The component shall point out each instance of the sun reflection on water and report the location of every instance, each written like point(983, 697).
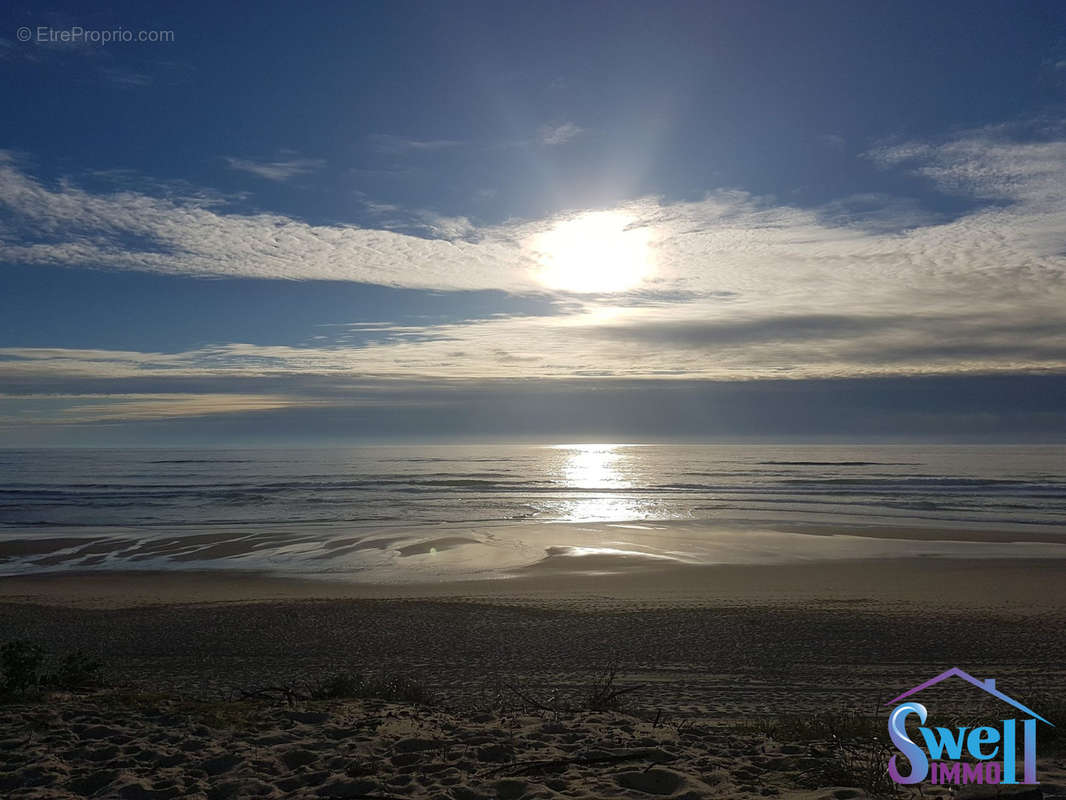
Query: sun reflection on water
point(594, 466)
point(595, 478)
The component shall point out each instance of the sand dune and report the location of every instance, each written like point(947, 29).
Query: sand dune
point(122, 747)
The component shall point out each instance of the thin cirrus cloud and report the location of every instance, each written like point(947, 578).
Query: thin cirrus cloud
point(985, 167)
point(548, 135)
point(72, 409)
point(394, 145)
point(741, 288)
point(281, 170)
point(552, 135)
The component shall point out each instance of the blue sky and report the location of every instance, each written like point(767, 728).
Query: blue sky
point(466, 219)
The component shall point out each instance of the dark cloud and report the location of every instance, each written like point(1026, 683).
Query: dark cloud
point(863, 339)
point(698, 333)
point(963, 408)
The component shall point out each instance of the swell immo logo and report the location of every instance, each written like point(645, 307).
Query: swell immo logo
point(985, 754)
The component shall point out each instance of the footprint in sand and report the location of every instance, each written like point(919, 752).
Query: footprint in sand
point(652, 781)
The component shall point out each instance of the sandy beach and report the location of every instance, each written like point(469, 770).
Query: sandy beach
point(721, 658)
point(604, 582)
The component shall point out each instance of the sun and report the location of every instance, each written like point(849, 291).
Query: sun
point(596, 252)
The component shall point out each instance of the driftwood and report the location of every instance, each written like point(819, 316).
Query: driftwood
point(530, 700)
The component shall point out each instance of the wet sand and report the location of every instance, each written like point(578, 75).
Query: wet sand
point(516, 552)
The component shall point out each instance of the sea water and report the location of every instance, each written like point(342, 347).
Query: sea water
point(288, 508)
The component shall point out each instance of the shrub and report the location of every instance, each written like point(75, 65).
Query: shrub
point(75, 671)
point(21, 667)
point(605, 694)
point(25, 669)
point(855, 748)
point(827, 726)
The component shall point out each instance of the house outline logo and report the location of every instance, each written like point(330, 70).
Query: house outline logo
point(976, 741)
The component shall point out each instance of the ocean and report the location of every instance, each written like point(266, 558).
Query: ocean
point(361, 511)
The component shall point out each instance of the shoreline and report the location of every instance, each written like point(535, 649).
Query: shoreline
point(460, 558)
point(918, 585)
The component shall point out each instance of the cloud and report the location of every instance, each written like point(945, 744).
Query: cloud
point(66, 225)
point(276, 170)
point(395, 145)
point(89, 60)
point(450, 228)
point(647, 342)
point(740, 287)
point(67, 409)
point(824, 345)
point(125, 78)
point(784, 328)
point(869, 249)
point(606, 409)
point(877, 213)
point(420, 222)
point(552, 135)
point(988, 164)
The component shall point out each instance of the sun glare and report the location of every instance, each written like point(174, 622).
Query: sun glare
point(598, 476)
point(595, 252)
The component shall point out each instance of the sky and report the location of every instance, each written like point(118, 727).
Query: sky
point(407, 221)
